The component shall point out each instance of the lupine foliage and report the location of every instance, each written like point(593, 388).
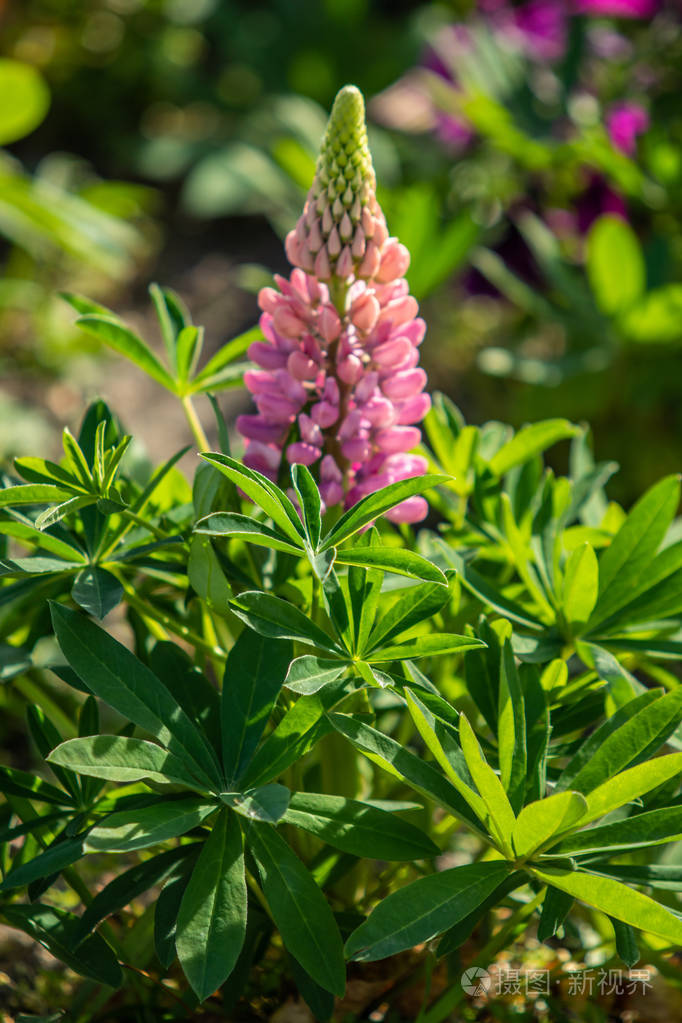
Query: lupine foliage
point(312, 707)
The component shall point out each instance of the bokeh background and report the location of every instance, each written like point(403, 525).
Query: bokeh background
point(529, 155)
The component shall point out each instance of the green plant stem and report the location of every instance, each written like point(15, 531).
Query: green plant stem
point(195, 424)
point(508, 933)
point(258, 892)
point(177, 628)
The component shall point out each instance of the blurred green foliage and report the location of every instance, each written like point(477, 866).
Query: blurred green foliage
point(495, 152)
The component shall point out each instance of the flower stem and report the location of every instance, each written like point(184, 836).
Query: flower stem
point(195, 423)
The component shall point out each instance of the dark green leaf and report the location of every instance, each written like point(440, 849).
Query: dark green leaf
point(212, 918)
point(97, 591)
point(300, 910)
point(127, 830)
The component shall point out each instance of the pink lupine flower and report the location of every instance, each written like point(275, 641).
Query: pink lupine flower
point(624, 123)
point(338, 388)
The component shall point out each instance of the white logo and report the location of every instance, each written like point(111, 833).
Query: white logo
point(476, 981)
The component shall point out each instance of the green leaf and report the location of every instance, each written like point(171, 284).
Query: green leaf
point(300, 910)
point(206, 575)
point(357, 828)
point(254, 674)
point(30, 786)
point(241, 527)
point(374, 505)
point(212, 919)
point(51, 516)
point(511, 729)
point(626, 943)
point(424, 909)
point(627, 560)
point(229, 352)
point(401, 763)
point(189, 344)
point(486, 591)
point(275, 618)
point(581, 584)
point(307, 674)
point(631, 784)
point(617, 900)
point(501, 819)
point(657, 316)
point(638, 737)
point(427, 646)
point(300, 728)
point(262, 492)
point(57, 931)
point(615, 264)
point(28, 534)
point(32, 493)
point(25, 99)
point(128, 830)
point(131, 884)
point(591, 746)
point(538, 821)
point(97, 591)
point(530, 441)
point(121, 758)
point(310, 502)
point(53, 860)
point(391, 559)
point(126, 684)
point(124, 341)
point(267, 803)
point(417, 604)
point(651, 828)
point(555, 908)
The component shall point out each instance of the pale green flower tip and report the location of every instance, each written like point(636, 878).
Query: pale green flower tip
point(344, 150)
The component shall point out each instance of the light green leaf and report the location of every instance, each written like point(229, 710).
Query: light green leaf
point(615, 264)
point(500, 816)
point(124, 341)
point(618, 900)
point(530, 441)
point(538, 821)
point(307, 674)
point(631, 784)
point(25, 99)
point(581, 585)
point(374, 505)
point(392, 559)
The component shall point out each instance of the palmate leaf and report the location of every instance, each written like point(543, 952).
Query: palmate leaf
point(300, 910)
point(424, 909)
point(212, 918)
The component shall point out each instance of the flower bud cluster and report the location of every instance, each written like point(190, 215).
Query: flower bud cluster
point(339, 388)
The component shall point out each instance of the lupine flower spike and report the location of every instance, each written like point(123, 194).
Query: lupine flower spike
point(339, 388)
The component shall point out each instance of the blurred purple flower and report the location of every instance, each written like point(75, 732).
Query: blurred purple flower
point(624, 123)
point(541, 25)
point(618, 8)
point(597, 199)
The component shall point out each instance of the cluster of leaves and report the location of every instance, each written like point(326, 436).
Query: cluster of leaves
point(354, 694)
